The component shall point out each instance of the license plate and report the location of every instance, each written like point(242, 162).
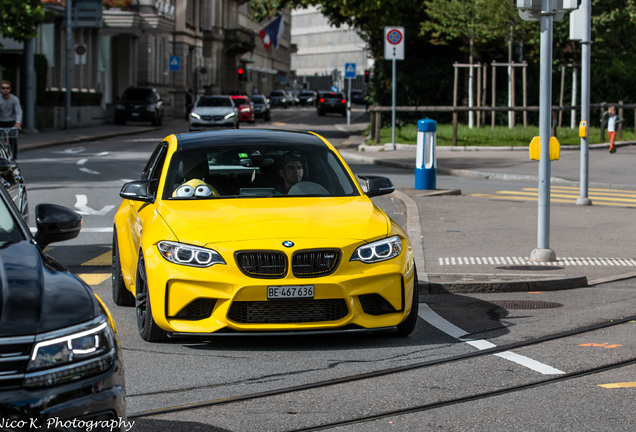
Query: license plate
point(290, 292)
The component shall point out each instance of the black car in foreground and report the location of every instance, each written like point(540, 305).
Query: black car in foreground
point(60, 359)
point(139, 104)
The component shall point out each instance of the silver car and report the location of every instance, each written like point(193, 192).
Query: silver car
point(214, 111)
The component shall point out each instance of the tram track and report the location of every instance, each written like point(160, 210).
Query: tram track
point(416, 366)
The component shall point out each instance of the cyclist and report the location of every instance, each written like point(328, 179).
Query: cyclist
point(10, 113)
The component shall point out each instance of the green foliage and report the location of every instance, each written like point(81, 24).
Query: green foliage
point(499, 136)
point(20, 18)
point(438, 34)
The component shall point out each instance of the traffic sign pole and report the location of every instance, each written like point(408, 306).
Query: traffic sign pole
point(350, 73)
point(393, 50)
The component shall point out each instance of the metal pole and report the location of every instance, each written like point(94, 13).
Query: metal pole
point(29, 118)
point(586, 9)
point(393, 107)
point(69, 61)
point(349, 103)
point(543, 252)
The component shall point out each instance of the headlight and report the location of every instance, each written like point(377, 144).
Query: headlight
point(71, 354)
point(189, 255)
point(120, 107)
point(230, 115)
point(151, 107)
point(195, 115)
point(378, 251)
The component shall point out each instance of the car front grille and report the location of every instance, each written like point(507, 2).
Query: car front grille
point(273, 264)
point(287, 311)
point(14, 357)
point(262, 264)
point(320, 262)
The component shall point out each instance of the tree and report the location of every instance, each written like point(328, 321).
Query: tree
point(20, 18)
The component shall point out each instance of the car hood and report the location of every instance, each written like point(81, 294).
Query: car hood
point(226, 220)
point(213, 110)
point(38, 295)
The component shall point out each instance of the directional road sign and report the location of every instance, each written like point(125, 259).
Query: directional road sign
point(174, 63)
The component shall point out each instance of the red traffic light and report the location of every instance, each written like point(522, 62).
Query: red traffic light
point(241, 71)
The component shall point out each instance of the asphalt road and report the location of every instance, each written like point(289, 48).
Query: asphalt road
point(416, 383)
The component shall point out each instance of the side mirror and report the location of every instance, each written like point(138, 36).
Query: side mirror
point(5, 165)
point(377, 185)
point(55, 223)
point(138, 190)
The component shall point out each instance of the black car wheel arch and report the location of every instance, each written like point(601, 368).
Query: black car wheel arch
point(148, 329)
point(121, 296)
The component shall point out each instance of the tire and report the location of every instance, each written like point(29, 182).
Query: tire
point(407, 326)
point(121, 296)
point(148, 329)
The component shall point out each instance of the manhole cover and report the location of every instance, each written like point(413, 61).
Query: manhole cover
point(525, 304)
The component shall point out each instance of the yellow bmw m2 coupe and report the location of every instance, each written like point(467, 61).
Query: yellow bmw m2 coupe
point(259, 232)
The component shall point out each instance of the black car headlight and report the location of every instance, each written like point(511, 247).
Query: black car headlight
point(377, 251)
point(151, 108)
point(71, 354)
point(189, 255)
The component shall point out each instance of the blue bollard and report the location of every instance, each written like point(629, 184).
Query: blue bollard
point(425, 162)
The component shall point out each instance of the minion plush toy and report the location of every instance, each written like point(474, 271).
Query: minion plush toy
point(195, 188)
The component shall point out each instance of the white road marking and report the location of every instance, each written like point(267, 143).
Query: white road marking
point(88, 171)
point(83, 209)
point(428, 315)
point(566, 261)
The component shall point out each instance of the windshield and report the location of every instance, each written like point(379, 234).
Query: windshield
point(210, 101)
point(9, 231)
point(137, 94)
point(258, 99)
point(265, 170)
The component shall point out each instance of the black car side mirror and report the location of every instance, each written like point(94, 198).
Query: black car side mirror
point(377, 185)
point(138, 190)
point(5, 165)
point(55, 223)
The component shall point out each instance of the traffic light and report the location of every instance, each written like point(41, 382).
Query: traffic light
point(366, 75)
point(241, 73)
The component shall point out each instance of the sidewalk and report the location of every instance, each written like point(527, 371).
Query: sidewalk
point(470, 243)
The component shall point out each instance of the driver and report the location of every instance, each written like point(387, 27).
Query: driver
point(291, 171)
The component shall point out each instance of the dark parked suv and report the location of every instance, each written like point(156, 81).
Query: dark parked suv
point(139, 104)
point(59, 354)
point(332, 102)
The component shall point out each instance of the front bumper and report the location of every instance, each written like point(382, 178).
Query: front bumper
point(95, 402)
point(357, 296)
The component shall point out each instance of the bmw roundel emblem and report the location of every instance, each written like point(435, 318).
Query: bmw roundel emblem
point(288, 243)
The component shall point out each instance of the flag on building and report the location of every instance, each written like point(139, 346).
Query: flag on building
point(272, 33)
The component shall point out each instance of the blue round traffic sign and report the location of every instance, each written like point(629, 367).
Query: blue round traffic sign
point(394, 36)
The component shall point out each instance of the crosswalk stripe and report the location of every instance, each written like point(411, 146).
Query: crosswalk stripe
point(569, 261)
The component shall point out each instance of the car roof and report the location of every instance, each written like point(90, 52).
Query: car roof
point(237, 137)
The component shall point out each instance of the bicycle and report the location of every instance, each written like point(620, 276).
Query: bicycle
point(6, 135)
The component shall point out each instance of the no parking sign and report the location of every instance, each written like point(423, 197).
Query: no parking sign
point(394, 43)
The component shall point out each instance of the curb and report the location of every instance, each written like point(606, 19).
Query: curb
point(486, 283)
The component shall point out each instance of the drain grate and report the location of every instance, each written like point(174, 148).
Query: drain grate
point(525, 304)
